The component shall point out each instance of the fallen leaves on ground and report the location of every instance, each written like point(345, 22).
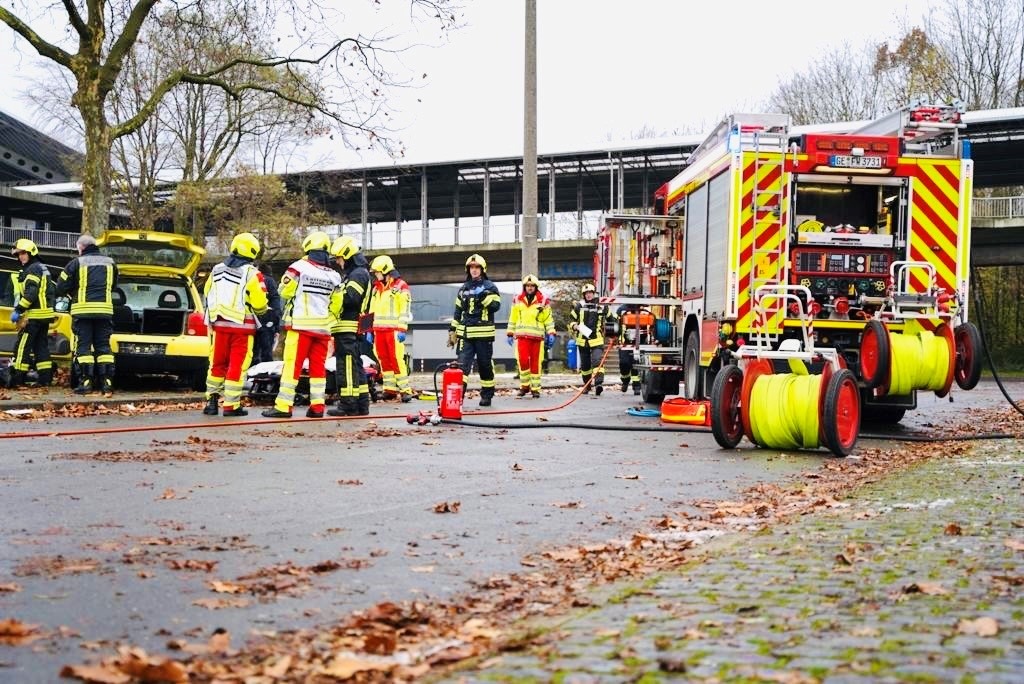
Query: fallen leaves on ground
point(983, 627)
point(53, 566)
point(447, 507)
point(16, 633)
point(130, 664)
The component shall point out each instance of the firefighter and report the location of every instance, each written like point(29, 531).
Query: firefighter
point(236, 297)
point(34, 304)
point(347, 309)
point(472, 328)
point(89, 279)
point(391, 306)
point(307, 288)
point(270, 322)
point(530, 325)
point(590, 314)
point(628, 373)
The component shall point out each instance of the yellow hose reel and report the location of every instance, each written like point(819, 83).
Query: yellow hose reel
point(785, 410)
point(899, 363)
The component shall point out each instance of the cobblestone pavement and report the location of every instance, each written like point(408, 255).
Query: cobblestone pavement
point(904, 582)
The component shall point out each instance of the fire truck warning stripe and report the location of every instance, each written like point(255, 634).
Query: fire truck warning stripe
point(944, 192)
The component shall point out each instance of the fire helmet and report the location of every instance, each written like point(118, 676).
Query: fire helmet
point(589, 287)
point(478, 260)
point(25, 245)
point(382, 264)
point(344, 247)
point(316, 240)
point(245, 245)
point(530, 279)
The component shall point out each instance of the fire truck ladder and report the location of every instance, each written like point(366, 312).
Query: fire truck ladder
point(920, 125)
point(770, 236)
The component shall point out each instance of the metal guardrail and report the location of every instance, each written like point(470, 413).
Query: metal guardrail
point(411, 234)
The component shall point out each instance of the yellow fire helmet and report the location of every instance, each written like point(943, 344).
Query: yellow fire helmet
point(25, 245)
point(382, 264)
point(344, 247)
point(316, 240)
point(530, 279)
point(478, 260)
point(245, 245)
point(589, 287)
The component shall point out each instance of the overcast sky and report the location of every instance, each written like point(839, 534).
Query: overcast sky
point(606, 68)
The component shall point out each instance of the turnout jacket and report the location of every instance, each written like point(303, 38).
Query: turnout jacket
point(307, 289)
point(235, 295)
point(531, 317)
point(89, 279)
point(355, 296)
point(475, 305)
point(391, 303)
point(593, 315)
point(36, 300)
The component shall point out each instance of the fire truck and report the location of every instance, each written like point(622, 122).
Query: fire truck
point(803, 281)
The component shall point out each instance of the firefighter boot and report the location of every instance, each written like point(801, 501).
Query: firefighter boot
point(345, 407)
point(17, 379)
point(108, 386)
point(486, 394)
point(211, 408)
point(363, 405)
point(233, 411)
point(524, 391)
point(625, 385)
point(598, 383)
point(46, 377)
point(636, 389)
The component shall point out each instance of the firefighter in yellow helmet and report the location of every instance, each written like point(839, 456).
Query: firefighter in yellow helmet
point(391, 306)
point(588, 318)
point(32, 314)
point(235, 297)
point(472, 328)
point(530, 330)
point(90, 278)
point(307, 288)
point(348, 310)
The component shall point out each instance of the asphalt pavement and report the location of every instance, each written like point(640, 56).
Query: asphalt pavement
point(117, 524)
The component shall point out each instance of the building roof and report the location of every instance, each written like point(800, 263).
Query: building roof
point(28, 156)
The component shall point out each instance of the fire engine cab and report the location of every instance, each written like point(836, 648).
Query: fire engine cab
point(805, 280)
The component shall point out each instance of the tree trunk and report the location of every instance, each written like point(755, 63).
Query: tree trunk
point(96, 173)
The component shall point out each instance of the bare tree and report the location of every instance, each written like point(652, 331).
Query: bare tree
point(341, 80)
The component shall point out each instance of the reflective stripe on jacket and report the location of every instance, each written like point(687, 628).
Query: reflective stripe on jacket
point(89, 279)
point(593, 315)
point(34, 280)
point(355, 296)
point(235, 295)
point(531, 318)
point(306, 289)
point(475, 305)
point(391, 304)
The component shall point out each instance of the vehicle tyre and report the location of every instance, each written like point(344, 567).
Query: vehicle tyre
point(875, 355)
point(650, 388)
point(692, 372)
point(726, 420)
point(882, 415)
point(968, 355)
point(840, 414)
point(197, 381)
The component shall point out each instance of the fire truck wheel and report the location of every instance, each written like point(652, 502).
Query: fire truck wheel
point(882, 415)
point(875, 358)
point(650, 388)
point(840, 413)
point(968, 355)
point(691, 367)
point(726, 423)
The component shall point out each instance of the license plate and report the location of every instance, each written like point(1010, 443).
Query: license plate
point(851, 162)
point(143, 349)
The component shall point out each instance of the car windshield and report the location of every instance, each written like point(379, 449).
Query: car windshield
point(154, 293)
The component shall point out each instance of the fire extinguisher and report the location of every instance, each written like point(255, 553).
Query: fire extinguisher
point(450, 397)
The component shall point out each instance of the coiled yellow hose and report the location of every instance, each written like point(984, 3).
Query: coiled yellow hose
point(784, 411)
point(919, 361)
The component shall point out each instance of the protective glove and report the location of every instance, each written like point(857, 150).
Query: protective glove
point(15, 315)
point(369, 337)
point(549, 341)
point(401, 336)
point(452, 338)
point(511, 340)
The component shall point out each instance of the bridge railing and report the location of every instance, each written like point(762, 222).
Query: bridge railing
point(997, 207)
point(44, 239)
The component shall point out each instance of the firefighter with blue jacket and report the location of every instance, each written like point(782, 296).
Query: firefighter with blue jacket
point(472, 329)
point(89, 279)
point(34, 304)
point(588, 318)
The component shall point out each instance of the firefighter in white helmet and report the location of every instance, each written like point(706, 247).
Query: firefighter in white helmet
point(531, 329)
point(307, 288)
point(472, 328)
point(348, 310)
point(391, 306)
point(32, 314)
point(588, 318)
point(235, 296)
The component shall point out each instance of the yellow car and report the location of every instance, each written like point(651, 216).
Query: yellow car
point(60, 329)
point(159, 323)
